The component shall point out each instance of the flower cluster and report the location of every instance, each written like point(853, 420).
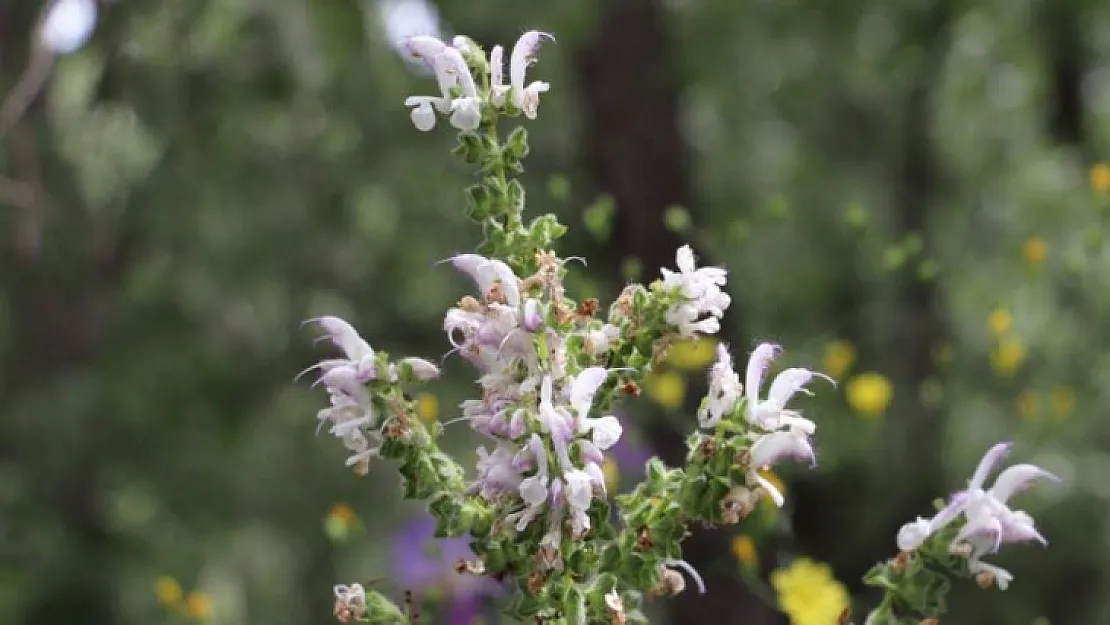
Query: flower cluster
point(776, 433)
point(535, 512)
point(351, 414)
point(989, 522)
point(459, 92)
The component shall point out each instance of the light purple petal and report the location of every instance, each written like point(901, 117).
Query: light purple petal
point(990, 460)
point(1018, 478)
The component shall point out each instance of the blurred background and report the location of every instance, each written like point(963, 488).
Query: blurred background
point(910, 196)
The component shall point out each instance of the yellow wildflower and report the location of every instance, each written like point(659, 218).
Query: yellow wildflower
point(668, 389)
point(808, 593)
point(612, 474)
point(1028, 405)
point(1035, 251)
point(692, 354)
point(1009, 355)
point(1100, 178)
point(1063, 401)
point(870, 393)
point(1000, 321)
point(744, 550)
point(427, 407)
point(839, 357)
point(198, 606)
point(168, 591)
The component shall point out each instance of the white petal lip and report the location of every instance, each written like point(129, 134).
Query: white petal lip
point(776, 446)
point(790, 382)
point(425, 48)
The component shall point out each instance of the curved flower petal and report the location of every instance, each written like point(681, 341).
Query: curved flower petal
point(1017, 478)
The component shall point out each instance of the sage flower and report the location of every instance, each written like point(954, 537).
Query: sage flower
point(725, 390)
point(771, 413)
point(525, 97)
point(702, 302)
point(989, 520)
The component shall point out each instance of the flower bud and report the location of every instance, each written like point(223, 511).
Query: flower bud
point(533, 315)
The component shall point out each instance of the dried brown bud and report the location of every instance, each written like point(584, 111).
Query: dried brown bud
point(737, 504)
point(588, 307)
point(643, 539)
point(709, 448)
point(901, 562)
point(471, 305)
point(930, 621)
point(985, 579)
point(496, 293)
point(535, 583)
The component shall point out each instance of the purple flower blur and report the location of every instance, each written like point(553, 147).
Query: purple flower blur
point(631, 452)
point(423, 563)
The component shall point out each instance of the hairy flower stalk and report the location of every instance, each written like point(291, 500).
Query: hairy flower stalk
point(549, 371)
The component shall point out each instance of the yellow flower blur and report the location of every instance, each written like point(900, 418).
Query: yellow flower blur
point(744, 550)
point(668, 389)
point(342, 512)
point(1100, 178)
point(1000, 321)
point(692, 354)
point(1028, 405)
point(808, 593)
point(612, 474)
point(1035, 251)
point(1007, 358)
point(427, 407)
point(168, 591)
point(198, 606)
point(870, 394)
point(1063, 401)
point(839, 357)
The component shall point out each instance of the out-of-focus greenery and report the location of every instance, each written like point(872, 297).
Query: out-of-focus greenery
point(207, 174)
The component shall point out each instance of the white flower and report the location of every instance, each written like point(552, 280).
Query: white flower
point(424, 108)
point(359, 355)
point(990, 521)
point(489, 273)
point(725, 390)
point(424, 49)
point(526, 98)
point(605, 431)
point(701, 293)
point(770, 449)
point(533, 489)
point(466, 110)
point(68, 25)
point(579, 494)
point(771, 414)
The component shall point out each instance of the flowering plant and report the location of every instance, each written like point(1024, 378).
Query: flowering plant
point(536, 507)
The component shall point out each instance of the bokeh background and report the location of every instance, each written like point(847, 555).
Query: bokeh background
point(908, 195)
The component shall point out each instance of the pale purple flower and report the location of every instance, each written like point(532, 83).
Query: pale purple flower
point(725, 390)
point(990, 522)
point(424, 563)
point(487, 273)
point(771, 413)
point(524, 97)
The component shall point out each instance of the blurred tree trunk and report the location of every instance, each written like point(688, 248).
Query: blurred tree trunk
point(828, 519)
point(635, 152)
